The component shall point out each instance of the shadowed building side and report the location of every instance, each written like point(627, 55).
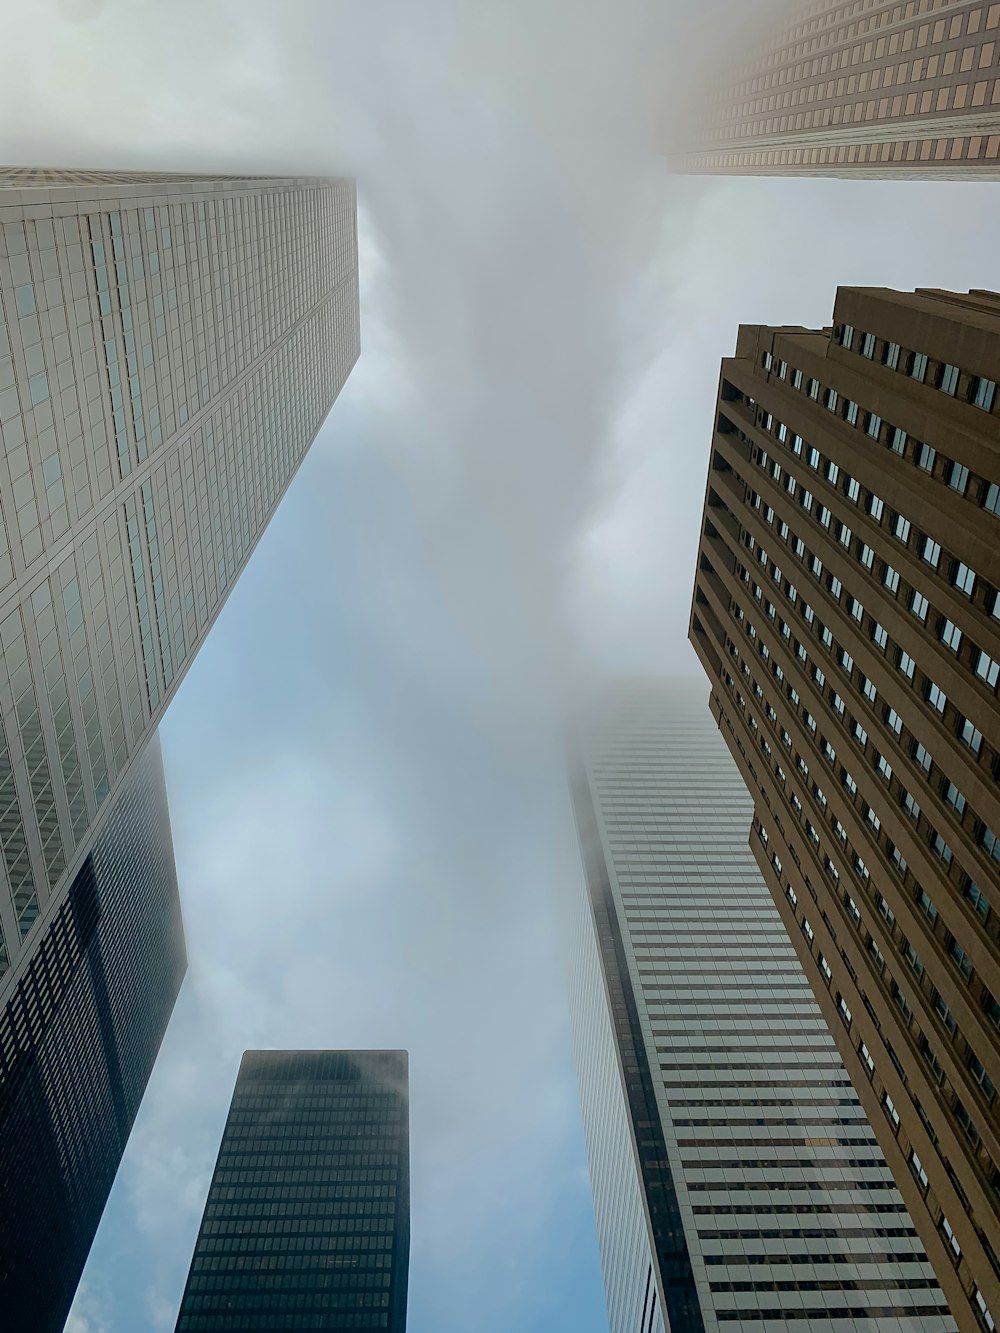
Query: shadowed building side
point(78, 1040)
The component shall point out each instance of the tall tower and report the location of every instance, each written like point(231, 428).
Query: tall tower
point(78, 1039)
point(886, 88)
point(736, 1179)
point(170, 346)
point(307, 1223)
point(847, 612)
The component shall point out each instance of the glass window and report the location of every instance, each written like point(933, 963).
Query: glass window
point(868, 346)
point(897, 440)
point(983, 392)
point(925, 457)
point(950, 635)
point(919, 605)
point(971, 735)
point(890, 357)
point(948, 379)
point(847, 336)
point(936, 697)
point(901, 528)
point(991, 499)
point(918, 366)
point(875, 507)
point(963, 577)
point(873, 425)
point(958, 477)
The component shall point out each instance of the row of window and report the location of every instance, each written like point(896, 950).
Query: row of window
point(979, 390)
point(933, 695)
point(982, 491)
point(902, 944)
point(823, 964)
point(868, 1061)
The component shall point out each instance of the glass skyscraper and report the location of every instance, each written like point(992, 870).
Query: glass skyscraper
point(170, 345)
point(78, 1039)
point(307, 1224)
point(736, 1178)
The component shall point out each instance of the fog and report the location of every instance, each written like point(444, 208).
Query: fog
point(364, 765)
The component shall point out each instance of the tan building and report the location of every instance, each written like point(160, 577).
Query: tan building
point(169, 347)
point(889, 88)
point(847, 611)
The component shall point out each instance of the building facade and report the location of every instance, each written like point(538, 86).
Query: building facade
point(847, 612)
point(78, 1039)
point(169, 347)
point(707, 1071)
point(307, 1223)
point(888, 88)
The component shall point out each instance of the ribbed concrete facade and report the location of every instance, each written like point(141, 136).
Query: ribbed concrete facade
point(764, 1201)
point(169, 347)
point(847, 612)
point(885, 88)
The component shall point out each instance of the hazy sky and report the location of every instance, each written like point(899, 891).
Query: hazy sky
point(369, 816)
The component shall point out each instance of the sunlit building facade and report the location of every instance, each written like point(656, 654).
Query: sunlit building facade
point(737, 1182)
point(847, 612)
point(307, 1223)
point(889, 88)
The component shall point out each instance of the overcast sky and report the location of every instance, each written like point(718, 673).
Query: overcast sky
point(368, 807)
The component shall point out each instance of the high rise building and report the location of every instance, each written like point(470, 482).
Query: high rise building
point(170, 346)
point(890, 88)
point(78, 1038)
point(736, 1179)
point(847, 612)
point(307, 1223)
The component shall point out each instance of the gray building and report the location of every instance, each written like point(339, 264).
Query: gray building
point(169, 347)
point(307, 1222)
point(736, 1178)
point(78, 1039)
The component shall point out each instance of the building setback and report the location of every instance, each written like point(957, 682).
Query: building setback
point(169, 347)
point(846, 610)
point(307, 1223)
point(78, 1039)
point(736, 1178)
point(887, 88)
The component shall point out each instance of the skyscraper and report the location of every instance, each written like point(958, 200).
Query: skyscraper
point(847, 612)
point(307, 1224)
point(170, 346)
point(893, 88)
point(736, 1178)
point(78, 1038)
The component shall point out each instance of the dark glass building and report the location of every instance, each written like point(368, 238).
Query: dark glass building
point(307, 1224)
point(78, 1038)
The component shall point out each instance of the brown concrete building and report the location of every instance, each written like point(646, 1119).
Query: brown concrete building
point(847, 611)
point(900, 88)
